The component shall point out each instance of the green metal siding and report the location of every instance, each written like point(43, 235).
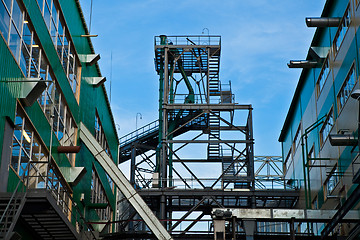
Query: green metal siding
point(45, 40)
point(91, 98)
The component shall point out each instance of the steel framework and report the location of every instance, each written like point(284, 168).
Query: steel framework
point(199, 154)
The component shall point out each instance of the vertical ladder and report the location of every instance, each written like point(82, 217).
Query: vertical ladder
point(214, 135)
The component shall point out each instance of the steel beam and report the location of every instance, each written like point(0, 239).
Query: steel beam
point(215, 107)
point(343, 213)
point(220, 192)
point(187, 214)
point(210, 141)
point(285, 215)
point(123, 184)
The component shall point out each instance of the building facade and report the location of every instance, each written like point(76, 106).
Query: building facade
point(50, 84)
point(323, 114)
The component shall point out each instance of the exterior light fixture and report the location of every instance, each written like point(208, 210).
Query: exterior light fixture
point(342, 140)
point(356, 94)
point(89, 35)
point(302, 64)
point(322, 22)
point(95, 81)
point(26, 136)
point(32, 88)
point(89, 59)
point(32, 91)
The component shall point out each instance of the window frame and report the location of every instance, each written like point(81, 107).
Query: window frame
point(288, 161)
point(297, 138)
point(330, 119)
point(67, 53)
point(342, 91)
point(334, 179)
point(99, 134)
point(311, 157)
point(340, 34)
point(323, 76)
point(98, 195)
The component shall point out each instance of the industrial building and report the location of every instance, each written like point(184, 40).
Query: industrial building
point(51, 86)
point(59, 175)
point(320, 132)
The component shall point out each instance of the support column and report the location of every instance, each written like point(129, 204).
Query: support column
point(249, 227)
point(234, 228)
point(292, 229)
point(219, 229)
point(132, 166)
point(163, 158)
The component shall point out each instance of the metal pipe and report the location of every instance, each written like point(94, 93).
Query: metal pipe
point(302, 64)
point(322, 22)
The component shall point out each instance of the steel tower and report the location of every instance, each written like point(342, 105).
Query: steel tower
point(199, 154)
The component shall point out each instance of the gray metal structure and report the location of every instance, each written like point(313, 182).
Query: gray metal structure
point(271, 223)
point(199, 155)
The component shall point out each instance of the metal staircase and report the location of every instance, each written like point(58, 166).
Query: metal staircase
point(10, 209)
point(148, 135)
point(213, 74)
point(228, 167)
point(213, 150)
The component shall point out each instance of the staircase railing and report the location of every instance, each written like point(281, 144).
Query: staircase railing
point(140, 132)
point(11, 212)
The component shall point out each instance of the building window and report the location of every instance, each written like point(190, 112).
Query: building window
point(314, 203)
point(53, 104)
point(111, 183)
point(30, 160)
point(297, 138)
point(28, 152)
point(347, 88)
point(288, 161)
point(100, 134)
point(62, 41)
point(325, 70)
point(332, 181)
point(326, 127)
point(98, 196)
point(311, 157)
point(22, 40)
point(344, 26)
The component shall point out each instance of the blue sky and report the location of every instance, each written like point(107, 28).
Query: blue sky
point(258, 39)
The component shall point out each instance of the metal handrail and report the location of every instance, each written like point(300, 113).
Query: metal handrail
point(265, 183)
point(12, 198)
point(25, 179)
point(82, 221)
point(191, 40)
point(140, 132)
point(5, 213)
